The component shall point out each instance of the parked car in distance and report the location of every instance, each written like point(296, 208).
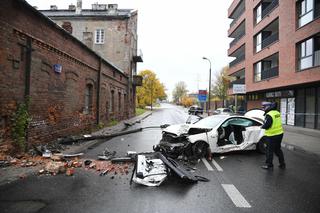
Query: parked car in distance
point(194, 110)
point(223, 111)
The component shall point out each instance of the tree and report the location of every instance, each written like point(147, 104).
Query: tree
point(151, 89)
point(187, 101)
point(220, 89)
point(179, 91)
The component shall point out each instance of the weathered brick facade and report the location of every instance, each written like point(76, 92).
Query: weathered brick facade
point(57, 100)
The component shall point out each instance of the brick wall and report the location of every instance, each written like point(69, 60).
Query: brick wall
point(57, 99)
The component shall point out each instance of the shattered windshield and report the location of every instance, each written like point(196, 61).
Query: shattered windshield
point(211, 121)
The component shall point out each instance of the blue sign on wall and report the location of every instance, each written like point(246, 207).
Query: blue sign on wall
point(57, 68)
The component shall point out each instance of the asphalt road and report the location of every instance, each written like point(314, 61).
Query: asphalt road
point(237, 183)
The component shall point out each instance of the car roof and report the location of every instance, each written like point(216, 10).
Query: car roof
point(238, 116)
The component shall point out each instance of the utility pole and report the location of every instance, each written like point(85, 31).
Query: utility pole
point(209, 97)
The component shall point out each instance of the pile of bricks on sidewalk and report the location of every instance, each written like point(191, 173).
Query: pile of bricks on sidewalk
point(57, 163)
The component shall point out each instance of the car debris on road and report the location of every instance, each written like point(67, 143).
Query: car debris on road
point(152, 169)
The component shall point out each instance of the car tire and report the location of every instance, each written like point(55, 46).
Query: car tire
point(261, 147)
point(200, 149)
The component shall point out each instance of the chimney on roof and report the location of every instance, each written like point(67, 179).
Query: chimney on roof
point(79, 6)
point(53, 7)
point(72, 7)
point(112, 8)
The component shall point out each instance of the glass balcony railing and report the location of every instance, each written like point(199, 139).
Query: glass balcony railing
point(237, 60)
point(237, 18)
point(238, 81)
point(234, 41)
point(269, 73)
point(270, 7)
point(269, 40)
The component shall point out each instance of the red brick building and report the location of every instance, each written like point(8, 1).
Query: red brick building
point(276, 50)
point(71, 88)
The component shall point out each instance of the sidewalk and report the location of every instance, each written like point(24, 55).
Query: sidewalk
point(12, 173)
point(122, 125)
point(302, 139)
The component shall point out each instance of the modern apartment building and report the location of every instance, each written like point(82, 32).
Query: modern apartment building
point(106, 29)
point(276, 50)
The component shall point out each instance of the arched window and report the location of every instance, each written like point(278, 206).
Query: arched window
point(111, 108)
point(119, 102)
point(88, 99)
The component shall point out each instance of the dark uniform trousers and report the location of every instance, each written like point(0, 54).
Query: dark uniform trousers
point(274, 146)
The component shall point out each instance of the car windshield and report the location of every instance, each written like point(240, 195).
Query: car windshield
point(211, 121)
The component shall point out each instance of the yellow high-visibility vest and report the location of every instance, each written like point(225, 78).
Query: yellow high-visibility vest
point(276, 127)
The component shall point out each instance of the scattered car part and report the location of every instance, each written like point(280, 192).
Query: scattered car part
point(149, 171)
point(180, 170)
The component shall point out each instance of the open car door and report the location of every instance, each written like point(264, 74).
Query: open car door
point(255, 113)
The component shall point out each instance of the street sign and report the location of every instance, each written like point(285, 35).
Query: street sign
point(239, 89)
point(202, 95)
point(202, 98)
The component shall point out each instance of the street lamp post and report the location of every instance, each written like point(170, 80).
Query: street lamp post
point(208, 107)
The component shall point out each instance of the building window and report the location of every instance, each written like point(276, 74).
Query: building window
point(306, 54)
point(258, 42)
point(119, 101)
point(258, 13)
point(306, 12)
point(88, 99)
point(111, 108)
point(99, 37)
point(257, 72)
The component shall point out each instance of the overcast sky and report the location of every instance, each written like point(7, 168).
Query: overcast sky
point(174, 35)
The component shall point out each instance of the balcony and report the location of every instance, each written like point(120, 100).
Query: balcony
point(269, 8)
point(267, 36)
point(237, 12)
point(266, 68)
point(234, 41)
point(138, 57)
point(238, 33)
point(237, 60)
point(238, 81)
point(269, 40)
point(270, 73)
point(264, 8)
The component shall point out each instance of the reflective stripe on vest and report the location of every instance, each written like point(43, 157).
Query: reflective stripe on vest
point(276, 127)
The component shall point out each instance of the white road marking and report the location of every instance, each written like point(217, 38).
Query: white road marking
point(235, 196)
point(217, 165)
point(207, 164)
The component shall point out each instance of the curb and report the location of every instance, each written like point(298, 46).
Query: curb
point(298, 149)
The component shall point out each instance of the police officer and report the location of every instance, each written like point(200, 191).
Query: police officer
point(273, 134)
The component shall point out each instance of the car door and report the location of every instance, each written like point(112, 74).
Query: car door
point(238, 133)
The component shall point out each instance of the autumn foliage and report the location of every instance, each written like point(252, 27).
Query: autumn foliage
point(151, 90)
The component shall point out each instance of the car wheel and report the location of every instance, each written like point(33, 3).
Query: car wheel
point(200, 149)
point(261, 147)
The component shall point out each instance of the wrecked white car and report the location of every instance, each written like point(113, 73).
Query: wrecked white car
point(218, 133)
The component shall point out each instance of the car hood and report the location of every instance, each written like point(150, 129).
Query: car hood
point(183, 129)
point(255, 113)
